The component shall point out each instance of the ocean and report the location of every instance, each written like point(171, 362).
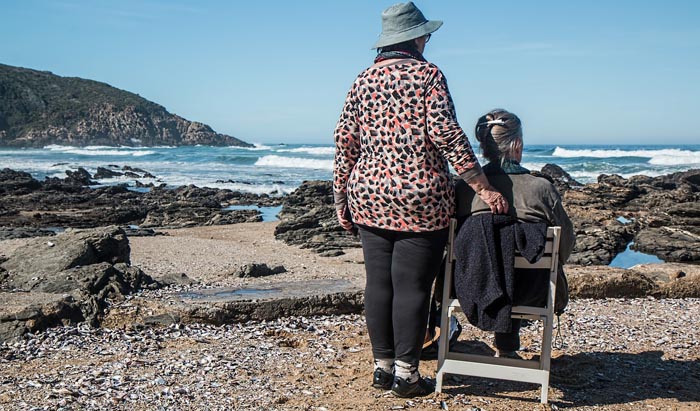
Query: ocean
point(280, 169)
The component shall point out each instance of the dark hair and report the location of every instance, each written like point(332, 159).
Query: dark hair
point(498, 131)
point(407, 46)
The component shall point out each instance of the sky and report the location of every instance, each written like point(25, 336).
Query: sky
point(593, 72)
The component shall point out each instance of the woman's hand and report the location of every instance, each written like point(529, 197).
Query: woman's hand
point(494, 199)
point(344, 219)
point(343, 212)
point(488, 194)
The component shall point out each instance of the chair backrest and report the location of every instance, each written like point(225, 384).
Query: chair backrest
point(549, 261)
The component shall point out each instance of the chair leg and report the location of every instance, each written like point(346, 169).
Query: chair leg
point(543, 393)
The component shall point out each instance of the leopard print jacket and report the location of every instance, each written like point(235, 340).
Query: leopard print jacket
point(396, 133)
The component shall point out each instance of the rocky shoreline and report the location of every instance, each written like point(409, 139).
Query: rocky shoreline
point(75, 283)
point(170, 277)
point(658, 215)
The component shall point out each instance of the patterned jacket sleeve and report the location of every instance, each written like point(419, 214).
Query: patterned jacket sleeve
point(347, 144)
point(444, 130)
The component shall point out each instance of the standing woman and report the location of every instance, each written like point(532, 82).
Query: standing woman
point(391, 181)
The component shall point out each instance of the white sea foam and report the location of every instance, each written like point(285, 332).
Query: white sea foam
point(669, 156)
point(101, 150)
point(691, 158)
point(181, 180)
point(257, 147)
point(294, 162)
point(591, 176)
point(534, 166)
point(318, 151)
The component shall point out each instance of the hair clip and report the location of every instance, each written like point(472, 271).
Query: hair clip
point(497, 122)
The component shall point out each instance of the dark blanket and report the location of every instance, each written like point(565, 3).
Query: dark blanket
point(484, 275)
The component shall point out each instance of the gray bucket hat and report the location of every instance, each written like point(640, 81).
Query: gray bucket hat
point(402, 22)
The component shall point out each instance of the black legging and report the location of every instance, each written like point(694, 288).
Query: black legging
point(400, 270)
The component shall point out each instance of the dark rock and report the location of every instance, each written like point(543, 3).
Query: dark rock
point(9, 233)
point(29, 313)
point(17, 182)
point(677, 275)
point(55, 202)
point(80, 177)
point(665, 211)
point(141, 232)
point(669, 243)
point(135, 170)
point(175, 279)
point(259, 270)
point(308, 219)
point(85, 268)
point(560, 178)
point(106, 173)
point(38, 261)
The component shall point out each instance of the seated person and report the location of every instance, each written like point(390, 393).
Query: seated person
point(531, 199)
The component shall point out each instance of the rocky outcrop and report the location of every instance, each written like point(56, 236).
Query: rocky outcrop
point(66, 279)
point(253, 270)
point(28, 205)
point(224, 306)
point(308, 219)
point(662, 213)
point(661, 216)
point(673, 280)
point(38, 108)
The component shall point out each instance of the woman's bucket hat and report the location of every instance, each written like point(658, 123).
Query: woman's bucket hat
point(402, 22)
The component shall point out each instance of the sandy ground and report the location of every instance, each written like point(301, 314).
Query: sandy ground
point(213, 255)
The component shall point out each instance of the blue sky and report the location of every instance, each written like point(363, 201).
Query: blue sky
point(595, 72)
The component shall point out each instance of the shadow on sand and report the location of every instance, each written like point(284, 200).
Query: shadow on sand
point(593, 378)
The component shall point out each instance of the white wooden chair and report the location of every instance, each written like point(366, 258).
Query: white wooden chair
point(532, 371)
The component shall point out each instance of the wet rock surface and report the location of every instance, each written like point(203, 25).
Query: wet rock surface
point(662, 213)
point(28, 207)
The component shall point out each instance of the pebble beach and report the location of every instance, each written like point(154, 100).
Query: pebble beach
point(613, 354)
point(616, 355)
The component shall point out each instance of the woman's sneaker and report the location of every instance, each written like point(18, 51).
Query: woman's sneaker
point(507, 354)
point(382, 379)
point(404, 389)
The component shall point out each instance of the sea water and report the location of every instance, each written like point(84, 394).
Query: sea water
point(278, 169)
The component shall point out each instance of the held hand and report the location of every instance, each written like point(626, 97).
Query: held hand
point(494, 199)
